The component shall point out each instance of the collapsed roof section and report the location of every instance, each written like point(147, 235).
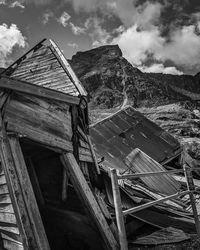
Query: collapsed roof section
point(118, 135)
point(46, 66)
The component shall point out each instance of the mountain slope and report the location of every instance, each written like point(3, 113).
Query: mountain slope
point(112, 81)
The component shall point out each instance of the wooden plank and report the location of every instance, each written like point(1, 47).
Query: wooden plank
point(12, 237)
point(146, 174)
point(38, 135)
point(28, 195)
point(88, 199)
point(118, 211)
point(8, 218)
point(22, 86)
point(40, 118)
point(10, 229)
point(10, 245)
point(152, 203)
point(6, 208)
point(5, 198)
point(2, 179)
point(3, 189)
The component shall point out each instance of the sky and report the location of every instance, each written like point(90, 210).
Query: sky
point(161, 36)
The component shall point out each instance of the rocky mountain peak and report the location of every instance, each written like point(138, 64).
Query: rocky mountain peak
point(112, 81)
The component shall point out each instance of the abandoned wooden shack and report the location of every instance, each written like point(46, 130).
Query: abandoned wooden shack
point(49, 177)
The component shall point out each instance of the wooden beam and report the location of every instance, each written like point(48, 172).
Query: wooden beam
point(33, 89)
point(148, 174)
point(118, 211)
point(152, 203)
point(86, 195)
point(28, 195)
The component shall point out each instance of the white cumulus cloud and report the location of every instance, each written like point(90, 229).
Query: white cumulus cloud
point(46, 16)
point(17, 4)
point(160, 68)
point(64, 18)
point(10, 37)
point(77, 30)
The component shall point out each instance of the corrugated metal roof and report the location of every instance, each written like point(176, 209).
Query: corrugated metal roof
point(139, 162)
point(46, 66)
point(118, 135)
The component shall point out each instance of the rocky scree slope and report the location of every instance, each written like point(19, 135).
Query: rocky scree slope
point(112, 81)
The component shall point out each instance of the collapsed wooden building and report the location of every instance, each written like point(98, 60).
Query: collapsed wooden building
point(54, 192)
point(48, 172)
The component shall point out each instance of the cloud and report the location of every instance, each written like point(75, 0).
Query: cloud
point(97, 33)
point(10, 38)
point(17, 4)
point(128, 11)
point(73, 45)
point(76, 29)
point(46, 16)
point(64, 18)
point(182, 46)
point(160, 68)
point(143, 34)
point(137, 45)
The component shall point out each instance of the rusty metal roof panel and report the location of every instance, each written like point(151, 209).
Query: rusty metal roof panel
point(128, 129)
point(46, 66)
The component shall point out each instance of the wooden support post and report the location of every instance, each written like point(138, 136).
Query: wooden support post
point(191, 188)
point(86, 195)
point(118, 211)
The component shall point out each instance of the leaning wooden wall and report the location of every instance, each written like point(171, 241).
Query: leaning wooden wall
point(60, 127)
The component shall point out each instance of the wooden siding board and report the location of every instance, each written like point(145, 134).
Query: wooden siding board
point(32, 89)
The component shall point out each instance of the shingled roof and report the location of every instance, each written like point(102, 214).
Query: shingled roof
point(46, 66)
